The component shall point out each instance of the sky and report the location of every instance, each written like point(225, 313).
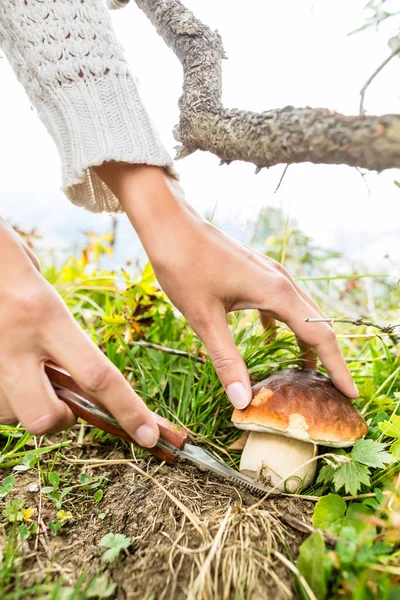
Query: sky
point(289, 52)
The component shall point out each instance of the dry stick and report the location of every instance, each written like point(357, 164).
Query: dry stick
point(295, 570)
point(281, 178)
point(168, 350)
point(305, 527)
point(358, 322)
point(372, 77)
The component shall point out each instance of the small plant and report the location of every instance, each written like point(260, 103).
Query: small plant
point(13, 510)
point(7, 485)
point(53, 490)
point(115, 542)
point(354, 473)
point(360, 566)
point(62, 517)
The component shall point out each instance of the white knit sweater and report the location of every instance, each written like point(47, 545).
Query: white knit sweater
point(65, 54)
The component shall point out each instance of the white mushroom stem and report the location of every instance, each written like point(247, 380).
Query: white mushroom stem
point(278, 461)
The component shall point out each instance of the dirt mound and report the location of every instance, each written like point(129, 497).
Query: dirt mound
point(193, 536)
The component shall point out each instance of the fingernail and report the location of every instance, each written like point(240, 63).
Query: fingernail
point(238, 394)
point(355, 393)
point(146, 436)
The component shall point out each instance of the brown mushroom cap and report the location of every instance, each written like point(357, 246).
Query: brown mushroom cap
point(304, 405)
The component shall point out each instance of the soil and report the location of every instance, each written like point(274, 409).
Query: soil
point(226, 545)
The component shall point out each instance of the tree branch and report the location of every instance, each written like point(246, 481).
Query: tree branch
point(286, 135)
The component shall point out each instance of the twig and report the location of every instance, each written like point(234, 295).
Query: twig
point(295, 570)
point(305, 527)
point(364, 180)
point(168, 350)
point(281, 178)
point(372, 77)
point(357, 322)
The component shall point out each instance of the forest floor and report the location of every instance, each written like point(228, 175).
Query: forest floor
point(192, 534)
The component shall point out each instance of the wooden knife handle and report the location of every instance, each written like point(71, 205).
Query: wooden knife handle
point(169, 432)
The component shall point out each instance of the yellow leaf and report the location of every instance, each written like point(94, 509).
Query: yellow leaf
point(148, 288)
point(114, 320)
point(27, 513)
point(148, 273)
point(63, 515)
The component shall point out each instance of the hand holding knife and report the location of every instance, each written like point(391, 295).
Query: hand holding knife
point(171, 445)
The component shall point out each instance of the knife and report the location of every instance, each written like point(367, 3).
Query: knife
point(173, 441)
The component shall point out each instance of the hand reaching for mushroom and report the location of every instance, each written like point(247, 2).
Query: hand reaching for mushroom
point(206, 274)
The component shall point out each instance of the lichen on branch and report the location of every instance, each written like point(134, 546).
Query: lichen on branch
point(286, 135)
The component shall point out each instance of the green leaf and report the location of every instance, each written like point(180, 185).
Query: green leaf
point(85, 478)
point(12, 510)
point(391, 428)
point(395, 450)
point(30, 459)
point(25, 532)
point(115, 542)
point(380, 496)
point(311, 564)
point(326, 474)
point(371, 453)
point(351, 476)
point(355, 517)
point(54, 479)
point(54, 527)
point(7, 485)
point(98, 495)
point(329, 512)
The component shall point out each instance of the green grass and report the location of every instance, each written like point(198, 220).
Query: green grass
point(119, 310)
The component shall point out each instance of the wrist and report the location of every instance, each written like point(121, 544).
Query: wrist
point(153, 201)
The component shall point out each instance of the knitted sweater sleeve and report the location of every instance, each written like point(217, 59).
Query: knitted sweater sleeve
point(66, 55)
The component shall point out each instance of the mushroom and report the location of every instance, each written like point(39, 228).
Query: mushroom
point(291, 412)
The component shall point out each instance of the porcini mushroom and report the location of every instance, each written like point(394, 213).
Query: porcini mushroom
point(290, 413)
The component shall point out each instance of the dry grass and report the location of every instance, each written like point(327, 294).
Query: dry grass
point(193, 535)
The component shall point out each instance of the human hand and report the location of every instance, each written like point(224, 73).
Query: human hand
point(36, 326)
point(206, 274)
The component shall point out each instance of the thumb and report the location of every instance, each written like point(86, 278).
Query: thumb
point(228, 363)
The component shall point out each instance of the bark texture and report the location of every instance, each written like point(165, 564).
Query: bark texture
point(285, 135)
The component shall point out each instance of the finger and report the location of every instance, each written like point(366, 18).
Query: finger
point(228, 363)
point(33, 401)
point(97, 376)
point(291, 308)
point(308, 355)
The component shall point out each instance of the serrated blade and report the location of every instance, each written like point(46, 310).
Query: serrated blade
point(205, 459)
